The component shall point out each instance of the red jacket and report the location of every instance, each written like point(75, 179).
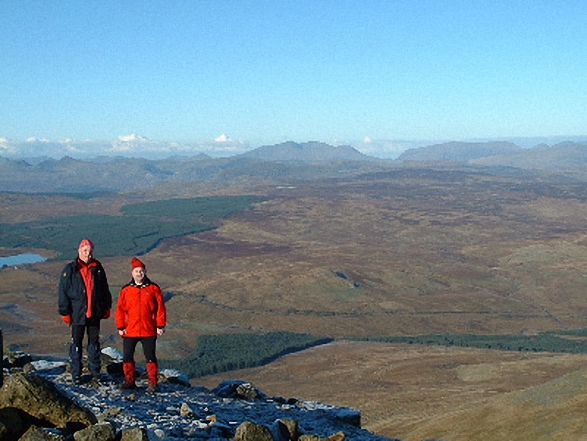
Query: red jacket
point(141, 309)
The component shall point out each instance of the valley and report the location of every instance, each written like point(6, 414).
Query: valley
point(389, 251)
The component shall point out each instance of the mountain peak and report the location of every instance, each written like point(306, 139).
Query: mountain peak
point(312, 151)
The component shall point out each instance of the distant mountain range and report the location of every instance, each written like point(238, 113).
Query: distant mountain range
point(560, 156)
point(460, 151)
point(286, 162)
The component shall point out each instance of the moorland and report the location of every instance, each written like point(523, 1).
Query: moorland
point(356, 251)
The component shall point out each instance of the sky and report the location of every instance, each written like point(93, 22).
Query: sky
point(260, 72)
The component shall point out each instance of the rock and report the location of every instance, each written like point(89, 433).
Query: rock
point(16, 359)
point(186, 411)
point(47, 406)
point(291, 426)
point(42, 434)
point(12, 423)
point(42, 400)
point(237, 389)
point(134, 434)
point(111, 354)
point(111, 361)
point(282, 432)
point(98, 432)
point(249, 431)
point(338, 436)
point(174, 376)
point(348, 415)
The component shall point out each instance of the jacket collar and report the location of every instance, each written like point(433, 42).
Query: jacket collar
point(146, 282)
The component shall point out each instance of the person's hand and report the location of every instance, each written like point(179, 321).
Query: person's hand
point(160, 331)
point(122, 332)
point(66, 319)
point(107, 314)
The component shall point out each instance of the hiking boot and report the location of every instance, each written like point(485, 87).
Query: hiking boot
point(127, 385)
point(152, 389)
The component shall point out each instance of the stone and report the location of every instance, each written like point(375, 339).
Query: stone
point(97, 432)
point(35, 433)
point(249, 431)
point(237, 389)
point(291, 426)
point(134, 434)
point(186, 411)
point(42, 400)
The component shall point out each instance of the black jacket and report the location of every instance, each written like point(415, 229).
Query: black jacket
point(73, 299)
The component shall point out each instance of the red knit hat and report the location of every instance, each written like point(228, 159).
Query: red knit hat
point(136, 263)
point(86, 243)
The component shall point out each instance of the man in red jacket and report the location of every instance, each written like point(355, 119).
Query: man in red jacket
point(140, 317)
point(84, 300)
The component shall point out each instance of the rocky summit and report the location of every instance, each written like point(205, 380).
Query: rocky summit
point(38, 401)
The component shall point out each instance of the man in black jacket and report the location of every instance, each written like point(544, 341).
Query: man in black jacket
point(84, 300)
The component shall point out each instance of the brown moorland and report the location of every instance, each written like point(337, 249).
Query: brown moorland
point(401, 252)
point(415, 392)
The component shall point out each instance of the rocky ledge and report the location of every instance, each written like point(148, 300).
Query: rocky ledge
point(38, 401)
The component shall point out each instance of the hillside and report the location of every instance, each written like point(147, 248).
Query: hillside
point(407, 251)
point(416, 393)
point(380, 251)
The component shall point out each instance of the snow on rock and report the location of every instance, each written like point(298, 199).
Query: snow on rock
point(180, 411)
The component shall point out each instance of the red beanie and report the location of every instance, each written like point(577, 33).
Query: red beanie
point(136, 263)
point(86, 243)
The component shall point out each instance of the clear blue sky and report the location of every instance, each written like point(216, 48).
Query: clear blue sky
point(271, 70)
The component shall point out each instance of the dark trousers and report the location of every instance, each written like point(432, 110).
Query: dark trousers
point(129, 345)
point(92, 329)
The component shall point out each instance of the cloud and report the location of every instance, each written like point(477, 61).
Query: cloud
point(33, 139)
point(132, 138)
point(222, 138)
point(129, 145)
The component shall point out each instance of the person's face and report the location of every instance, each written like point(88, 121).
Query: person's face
point(138, 274)
point(85, 253)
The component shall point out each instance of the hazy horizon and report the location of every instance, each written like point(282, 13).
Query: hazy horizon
point(137, 146)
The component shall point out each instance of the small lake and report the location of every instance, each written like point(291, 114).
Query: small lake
point(20, 259)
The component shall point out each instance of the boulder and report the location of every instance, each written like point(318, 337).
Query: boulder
point(13, 422)
point(237, 389)
point(41, 399)
point(42, 434)
point(98, 432)
point(291, 426)
point(16, 359)
point(249, 431)
point(134, 434)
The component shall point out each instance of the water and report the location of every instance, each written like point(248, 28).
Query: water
point(19, 259)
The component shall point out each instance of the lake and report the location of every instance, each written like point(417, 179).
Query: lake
point(20, 259)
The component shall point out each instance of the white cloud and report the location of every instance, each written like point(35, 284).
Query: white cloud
point(131, 145)
point(132, 137)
